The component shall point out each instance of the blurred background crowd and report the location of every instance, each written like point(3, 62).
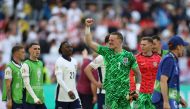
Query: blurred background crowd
point(49, 22)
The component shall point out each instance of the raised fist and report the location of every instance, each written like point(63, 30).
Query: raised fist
point(89, 21)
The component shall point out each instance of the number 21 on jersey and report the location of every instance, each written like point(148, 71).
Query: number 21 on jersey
point(72, 75)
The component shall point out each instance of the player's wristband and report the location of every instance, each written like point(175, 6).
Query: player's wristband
point(87, 30)
point(127, 97)
point(36, 100)
point(138, 87)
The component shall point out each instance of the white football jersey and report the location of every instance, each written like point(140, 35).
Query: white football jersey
point(99, 62)
point(68, 70)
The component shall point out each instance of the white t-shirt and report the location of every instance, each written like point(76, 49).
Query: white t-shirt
point(99, 62)
point(68, 70)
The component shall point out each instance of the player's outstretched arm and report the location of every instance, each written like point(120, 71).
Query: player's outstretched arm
point(88, 35)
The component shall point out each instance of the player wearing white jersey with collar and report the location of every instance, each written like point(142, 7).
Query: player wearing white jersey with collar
point(65, 71)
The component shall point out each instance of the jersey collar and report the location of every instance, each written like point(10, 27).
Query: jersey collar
point(173, 55)
point(16, 64)
point(33, 60)
point(146, 56)
point(66, 57)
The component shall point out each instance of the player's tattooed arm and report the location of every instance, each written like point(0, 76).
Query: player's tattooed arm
point(8, 80)
point(8, 87)
point(88, 35)
point(9, 97)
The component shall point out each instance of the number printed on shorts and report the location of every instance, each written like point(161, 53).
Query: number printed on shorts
point(72, 75)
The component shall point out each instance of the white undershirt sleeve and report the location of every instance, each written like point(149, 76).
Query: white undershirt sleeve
point(97, 62)
point(8, 73)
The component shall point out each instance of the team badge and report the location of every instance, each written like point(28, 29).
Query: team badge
point(155, 64)
point(125, 60)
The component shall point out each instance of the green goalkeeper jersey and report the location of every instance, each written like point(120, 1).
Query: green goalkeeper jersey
point(36, 80)
point(16, 84)
point(118, 66)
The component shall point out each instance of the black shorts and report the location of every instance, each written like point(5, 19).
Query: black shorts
point(22, 105)
point(68, 105)
point(101, 100)
point(86, 100)
point(34, 106)
point(17, 106)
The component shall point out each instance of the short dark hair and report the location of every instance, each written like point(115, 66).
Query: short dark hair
point(106, 40)
point(17, 48)
point(149, 39)
point(33, 43)
point(156, 37)
point(62, 43)
point(120, 36)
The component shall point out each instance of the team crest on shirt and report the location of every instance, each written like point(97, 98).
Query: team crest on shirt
point(125, 60)
point(155, 64)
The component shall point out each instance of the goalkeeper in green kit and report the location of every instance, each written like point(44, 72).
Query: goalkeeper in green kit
point(33, 79)
point(118, 63)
